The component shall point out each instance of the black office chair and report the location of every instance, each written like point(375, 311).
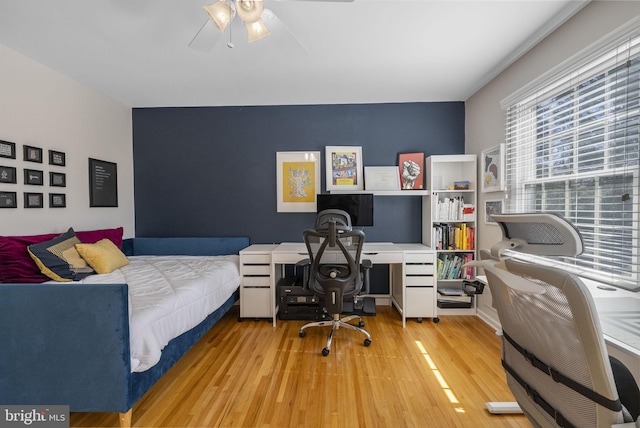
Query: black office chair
point(553, 350)
point(334, 271)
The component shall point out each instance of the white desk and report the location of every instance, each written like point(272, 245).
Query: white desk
point(411, 277)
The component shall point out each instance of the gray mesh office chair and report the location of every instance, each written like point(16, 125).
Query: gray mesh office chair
point(335, 271)
point(553, 351)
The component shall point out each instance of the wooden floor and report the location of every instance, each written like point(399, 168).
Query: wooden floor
point(249, 374)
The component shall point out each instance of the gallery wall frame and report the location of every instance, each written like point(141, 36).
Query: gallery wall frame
point(8, 174)
point(57, 158)
point(344, 168)
point(33, 177)
point(492, 162)
point(33, 200)
point(8, 200)
point(492, 206)
point(32, 154)
point(103, 183)
point(57, 179)
point(7, 149)
point(57, 200)
point(411, 170)
point(298, 181)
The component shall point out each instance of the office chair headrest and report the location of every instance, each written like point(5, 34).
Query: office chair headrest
point(545, 234)
point(341, 218)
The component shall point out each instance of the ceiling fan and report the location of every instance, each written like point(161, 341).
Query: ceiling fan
point(258, 21)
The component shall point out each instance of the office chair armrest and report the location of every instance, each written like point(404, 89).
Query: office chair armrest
point(365, 267)
point(635, 424)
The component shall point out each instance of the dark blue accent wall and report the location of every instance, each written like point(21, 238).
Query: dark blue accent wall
point(211, 171)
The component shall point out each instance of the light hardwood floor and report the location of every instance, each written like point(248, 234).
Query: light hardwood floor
point(249, 374)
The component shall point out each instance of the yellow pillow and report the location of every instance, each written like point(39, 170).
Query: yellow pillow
point(103, 256)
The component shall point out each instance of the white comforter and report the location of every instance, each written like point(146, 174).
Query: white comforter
point(169, 295)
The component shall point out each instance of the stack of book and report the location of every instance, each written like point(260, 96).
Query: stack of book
point(453, 298)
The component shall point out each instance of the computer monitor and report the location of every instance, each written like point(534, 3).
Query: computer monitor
point(358, 205)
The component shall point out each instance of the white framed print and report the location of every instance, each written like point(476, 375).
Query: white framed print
point(492, 161)
point(381, 178)
point(493, 206)
point(344, 168)
point(298, 181)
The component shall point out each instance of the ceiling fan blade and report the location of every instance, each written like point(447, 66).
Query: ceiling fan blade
point(206, 38)
point(281, 35)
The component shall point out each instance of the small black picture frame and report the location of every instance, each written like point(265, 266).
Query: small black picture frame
point(33, 200)
point(32, 154)
point(8, 200)
point(33, 177)
point(7, 149)
point(57, 179)
point(8, 174)
point(57, 200)
point(57, 158)
point(103, 183)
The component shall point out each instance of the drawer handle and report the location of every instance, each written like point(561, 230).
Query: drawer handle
point(370, 254)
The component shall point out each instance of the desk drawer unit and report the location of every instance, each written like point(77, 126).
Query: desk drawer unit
point(419, 284)
point(255, 289)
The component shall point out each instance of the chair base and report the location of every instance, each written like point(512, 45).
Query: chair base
point(335, 324)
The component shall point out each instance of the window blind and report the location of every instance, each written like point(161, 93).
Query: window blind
point(572, 148)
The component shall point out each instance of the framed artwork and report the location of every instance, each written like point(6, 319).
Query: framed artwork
point(8, 200)
point(33, 200)
point(493, 169)
point(381, 178)
point(32, 154)
point(57, 179)
point(411, 166)
point(57, 200)
point(344, 168)
point(33, 177)
point(103, 183)
point(492, 207)
point(57, 158)
point(8, 174)
point(298, 181)
point(7, 149)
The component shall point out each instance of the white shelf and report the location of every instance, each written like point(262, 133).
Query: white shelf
point(386, 192)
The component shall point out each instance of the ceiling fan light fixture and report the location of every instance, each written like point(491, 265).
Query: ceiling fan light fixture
point(220, 13)
point(257, 30)
point(249, 10)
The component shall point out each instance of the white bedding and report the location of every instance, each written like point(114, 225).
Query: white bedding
point(169, 295)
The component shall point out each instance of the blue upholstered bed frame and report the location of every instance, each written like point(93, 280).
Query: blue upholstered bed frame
point(69, 345)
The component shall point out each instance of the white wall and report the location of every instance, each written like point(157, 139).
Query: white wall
point(43, 108)
point(485, 121)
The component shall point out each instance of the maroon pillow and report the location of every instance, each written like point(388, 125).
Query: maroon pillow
point(17, 266)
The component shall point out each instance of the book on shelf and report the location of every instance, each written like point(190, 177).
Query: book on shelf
point(458, 236)
point(454, 209)
point(450, 266)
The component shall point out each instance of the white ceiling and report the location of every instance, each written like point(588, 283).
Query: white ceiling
point(367, 51)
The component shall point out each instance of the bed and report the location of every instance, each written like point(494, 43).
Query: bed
point(77, 343)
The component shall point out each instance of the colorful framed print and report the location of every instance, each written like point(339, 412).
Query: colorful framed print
point(32, 154)
point(411, 169)
point(492, 169)
point(7, 149)
point(344, 168)
point(298, 181)
point(492, 207)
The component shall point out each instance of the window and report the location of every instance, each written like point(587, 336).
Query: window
point(572, 148)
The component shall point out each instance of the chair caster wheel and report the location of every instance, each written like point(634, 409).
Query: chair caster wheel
point(436, 320)
point(361, 324)
point(302, 333)
point(325, 352)
point(367, 342)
